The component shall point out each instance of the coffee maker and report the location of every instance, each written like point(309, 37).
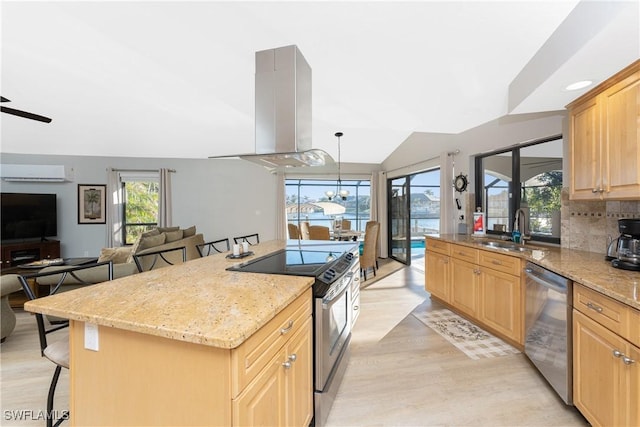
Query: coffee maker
point(628, 248)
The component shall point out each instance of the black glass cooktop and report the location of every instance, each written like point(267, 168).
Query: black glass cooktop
point(291, 262)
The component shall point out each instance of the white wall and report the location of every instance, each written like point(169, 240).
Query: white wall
point(223, 198)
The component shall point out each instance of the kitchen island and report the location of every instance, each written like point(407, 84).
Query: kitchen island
point(191, 344)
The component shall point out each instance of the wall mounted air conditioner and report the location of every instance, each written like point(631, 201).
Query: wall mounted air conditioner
point(35, 173)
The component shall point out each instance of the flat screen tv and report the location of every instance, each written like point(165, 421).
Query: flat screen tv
point(28, 216)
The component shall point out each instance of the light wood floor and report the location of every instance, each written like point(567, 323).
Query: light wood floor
point(401, 373)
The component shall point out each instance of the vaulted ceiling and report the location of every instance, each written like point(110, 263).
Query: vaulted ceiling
point(176, 78)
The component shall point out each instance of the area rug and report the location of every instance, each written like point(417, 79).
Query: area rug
point(473, 341)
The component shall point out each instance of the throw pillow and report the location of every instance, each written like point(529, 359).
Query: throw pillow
point(118, 255)
point(107, 254)
point(151, 241)
point(152, 232)
point(165, 229)
point(172, 236)
point(135, 247)
point(188, 232)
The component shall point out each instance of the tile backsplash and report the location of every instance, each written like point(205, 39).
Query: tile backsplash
point(587, 225)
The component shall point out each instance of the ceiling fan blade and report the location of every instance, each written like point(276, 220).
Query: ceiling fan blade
point(25, 114)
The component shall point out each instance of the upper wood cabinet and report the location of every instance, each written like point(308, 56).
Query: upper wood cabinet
point(605, 139)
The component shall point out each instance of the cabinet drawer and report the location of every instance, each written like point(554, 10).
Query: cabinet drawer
point(610, 313)
point(254, 354)
point(465, 253)
point(500, 262)
point(435, 245)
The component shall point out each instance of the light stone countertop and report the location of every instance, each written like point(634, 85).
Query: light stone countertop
point(587, 268)
point(198, 301)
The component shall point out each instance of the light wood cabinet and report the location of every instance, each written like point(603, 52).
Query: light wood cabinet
point(483, 285)
point(605, 139)
point(605, 388)
point(606, 383)
point(500, 303)
point(280, 394)
point(465, 286)
point(267, 380)
point(437, 275)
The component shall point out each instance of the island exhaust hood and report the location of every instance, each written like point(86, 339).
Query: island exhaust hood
point(283, 111)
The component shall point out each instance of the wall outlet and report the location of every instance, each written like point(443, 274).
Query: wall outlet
point(91, 338)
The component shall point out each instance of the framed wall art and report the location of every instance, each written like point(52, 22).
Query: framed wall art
point(92, 204)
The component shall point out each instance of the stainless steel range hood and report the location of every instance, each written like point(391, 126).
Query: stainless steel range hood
point(283, 111)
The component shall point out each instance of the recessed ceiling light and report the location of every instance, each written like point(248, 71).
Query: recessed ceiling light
point(579, 85)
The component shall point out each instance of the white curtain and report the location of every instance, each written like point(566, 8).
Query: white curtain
point(380, 178)
point(114, 210)
point(281, 214)
point(165, 208)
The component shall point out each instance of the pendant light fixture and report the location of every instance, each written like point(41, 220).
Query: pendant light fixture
point(339, 191)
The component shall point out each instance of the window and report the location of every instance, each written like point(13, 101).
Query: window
point(141, 203)
point(301, 194)
point(527, 177)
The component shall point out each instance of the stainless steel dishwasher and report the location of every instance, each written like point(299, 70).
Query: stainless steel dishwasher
point(548, 305)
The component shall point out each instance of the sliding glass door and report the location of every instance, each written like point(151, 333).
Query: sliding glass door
point(399, 244)
point(414, 210)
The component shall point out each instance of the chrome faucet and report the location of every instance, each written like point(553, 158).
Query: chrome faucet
point(521, 215)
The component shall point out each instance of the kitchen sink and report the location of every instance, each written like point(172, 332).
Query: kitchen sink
point(507, 246)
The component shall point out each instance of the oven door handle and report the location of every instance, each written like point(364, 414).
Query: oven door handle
point(330, 300)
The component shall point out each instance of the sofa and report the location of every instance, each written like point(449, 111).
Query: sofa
point(160, 238)
point(9, 283)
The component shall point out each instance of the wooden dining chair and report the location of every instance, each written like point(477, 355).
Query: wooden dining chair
point(294, 231)
point(57, 351)
point(319, 232)
point(214, 247)
point(369, 258)
point(252, 239)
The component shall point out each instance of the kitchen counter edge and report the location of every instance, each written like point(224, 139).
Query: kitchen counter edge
point(198, 301)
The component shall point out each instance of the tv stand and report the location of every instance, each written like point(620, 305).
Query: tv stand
point(15, 254)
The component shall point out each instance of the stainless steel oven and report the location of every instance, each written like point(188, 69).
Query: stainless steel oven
point(333, 316)
point(336, 271)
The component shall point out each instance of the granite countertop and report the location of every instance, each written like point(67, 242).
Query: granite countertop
point(587, 268)
point(198, 301)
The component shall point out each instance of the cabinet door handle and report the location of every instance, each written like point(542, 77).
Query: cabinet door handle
point(286, 365)
point(287, 329)
point(618, 354)
point(595, 190)
point(293, 357)
point(356, 308)
point(628, 361)
point(594, 307)
point(496, 262)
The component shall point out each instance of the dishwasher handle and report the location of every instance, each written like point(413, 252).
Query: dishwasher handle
point(558, 287)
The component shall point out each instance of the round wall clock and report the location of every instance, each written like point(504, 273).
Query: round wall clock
point(460, 183)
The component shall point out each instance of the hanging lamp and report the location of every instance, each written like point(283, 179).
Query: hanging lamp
point(339, 190)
